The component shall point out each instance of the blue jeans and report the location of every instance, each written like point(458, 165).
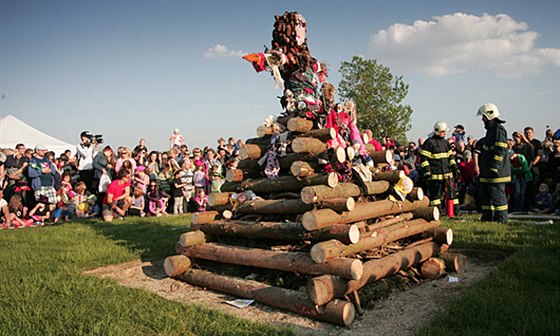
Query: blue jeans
point(519, 189)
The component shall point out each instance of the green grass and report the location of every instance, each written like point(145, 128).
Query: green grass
point(43, 290)
point(522, 297)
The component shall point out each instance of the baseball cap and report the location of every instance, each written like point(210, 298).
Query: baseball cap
point(41, 147)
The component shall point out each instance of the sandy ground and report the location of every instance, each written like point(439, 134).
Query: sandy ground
point(397, 315)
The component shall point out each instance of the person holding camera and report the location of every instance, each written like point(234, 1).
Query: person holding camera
point(85, 152)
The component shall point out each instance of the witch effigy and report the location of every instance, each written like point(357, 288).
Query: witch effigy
point(307, 94)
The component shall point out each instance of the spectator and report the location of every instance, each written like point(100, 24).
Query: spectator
point(459, 134)
point(177, 187)
point(138, 203)
point(543, 201)
point(141, 180)
point(85, 152)
point(5, 217)
point(154, 164)
point(176, 140)
point(117, 200)
point(520, 174)
point(157, 200)
point(141, 146)
point(125, 157)
point(41, 213)
point(42, 173)
point(201, 200)
point(103, 164)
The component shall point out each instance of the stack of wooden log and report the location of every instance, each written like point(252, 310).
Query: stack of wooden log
point(338, 236)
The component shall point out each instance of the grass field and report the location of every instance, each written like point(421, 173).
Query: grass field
point(43, 290)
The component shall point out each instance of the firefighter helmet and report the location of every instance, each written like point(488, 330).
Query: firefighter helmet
point(489, 110)
point(441, 126)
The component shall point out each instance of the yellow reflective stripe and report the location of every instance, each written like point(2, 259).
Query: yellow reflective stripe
point(455, 201)
point(452, 162)
point(441, 176)
point(424, 164)
point(440, 156)
point(435, 202)
point(501, 208)
point(449, 153)
point(495, 208)
point(501, 144)
point(426, 153)
point(495, 180)
point(498, 158)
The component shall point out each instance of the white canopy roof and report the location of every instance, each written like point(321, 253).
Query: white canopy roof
point(14, 131)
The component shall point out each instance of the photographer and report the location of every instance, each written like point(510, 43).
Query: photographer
point(85, 152)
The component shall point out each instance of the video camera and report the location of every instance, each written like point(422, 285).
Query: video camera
point(93, 138)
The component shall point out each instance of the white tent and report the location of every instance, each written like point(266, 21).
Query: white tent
point(14, 131)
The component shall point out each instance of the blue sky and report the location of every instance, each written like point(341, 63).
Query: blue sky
point(132, 69)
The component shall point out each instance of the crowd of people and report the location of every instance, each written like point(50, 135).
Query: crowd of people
point(38, 188)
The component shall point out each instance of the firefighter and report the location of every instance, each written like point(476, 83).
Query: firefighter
point(493, 165)
point(438, 165)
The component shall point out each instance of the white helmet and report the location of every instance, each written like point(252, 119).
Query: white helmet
point(441, 126)
point(489, 110)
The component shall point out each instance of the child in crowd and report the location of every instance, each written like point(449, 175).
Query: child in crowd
point(216, 179)
point(187, 179)
point(201, 200)
point(138, 203)
point(86, 206)
point(157, 200)
point(199, 176)
point(66, 208)
point(18, 212)
point(41, 212)
point(141, 180)
point(543, 201)
point(177, 191)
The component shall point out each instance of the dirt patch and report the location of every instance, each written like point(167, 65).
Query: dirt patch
point(399, 314)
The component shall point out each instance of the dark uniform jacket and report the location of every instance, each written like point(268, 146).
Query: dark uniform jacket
point(437, 161)
point(493, 160)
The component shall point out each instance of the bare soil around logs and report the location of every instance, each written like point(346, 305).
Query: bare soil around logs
point(398, 314)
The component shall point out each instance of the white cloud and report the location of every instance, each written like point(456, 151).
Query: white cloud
point(220, 50)
point(461, 42)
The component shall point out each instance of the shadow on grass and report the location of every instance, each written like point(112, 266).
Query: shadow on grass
point(150, 238)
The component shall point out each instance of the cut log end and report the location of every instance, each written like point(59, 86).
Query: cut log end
point(307, 195)
point(332, 180)
point(340, 312)
point(354, 234)
point(340, 154)
point(357, 269)
point(176, 265)
point(433, 268)
point(455, 262)
point(350, 204)
point(227, 215)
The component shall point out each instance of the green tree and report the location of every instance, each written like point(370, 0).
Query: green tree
point(378, 96)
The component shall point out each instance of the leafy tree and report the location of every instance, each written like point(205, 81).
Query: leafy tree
point(378, 96)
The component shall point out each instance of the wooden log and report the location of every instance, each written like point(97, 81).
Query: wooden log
point(376, 187)
point(251, 151)
point(392, 176)
point(192, 238)
point(303, 168)
point(441, 235)
point(280, 184)
point(337, 311)
point(204, 217)
point(218, 198)
point(249, 164)
point(322, 134)
point(454, 262)
point(227, 214)
point(308, 145)
point(432, 268)
point(176, 265)
point(340, 154)
point(428, 213)
point(347, 234)
point(275, 207)
point(325, 288)
point(323, 251)
point(299, 262)
point(316, 219)
point(235, 175)
point(287, 161)
point(263, 141)
point(371, 229)
point(300, 125)
point(382, 156)
point(318, 193)
point(337, 204)
point(219, 208)
point(417, 194)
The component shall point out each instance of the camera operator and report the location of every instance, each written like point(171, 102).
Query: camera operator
point(85, 152)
